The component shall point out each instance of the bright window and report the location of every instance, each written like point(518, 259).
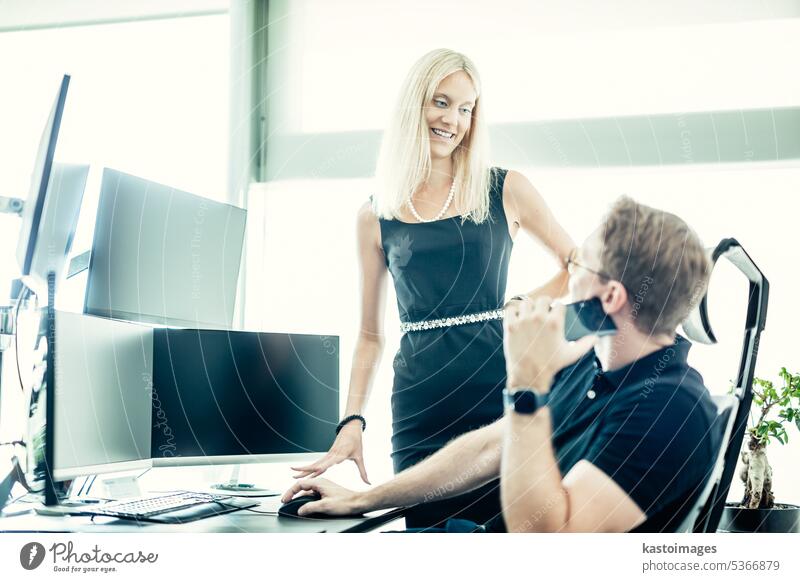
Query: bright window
point(149, 98)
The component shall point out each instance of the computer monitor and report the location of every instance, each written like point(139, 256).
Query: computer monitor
point(50, 214)
point(163, 256)
point(49, 218)
point(102, 402)
point(231, 397)
point(129, 396)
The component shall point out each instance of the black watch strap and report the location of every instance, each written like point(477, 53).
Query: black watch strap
point(524, 400)
point(350, 418)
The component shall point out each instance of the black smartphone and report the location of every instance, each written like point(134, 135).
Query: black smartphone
point(587, 318)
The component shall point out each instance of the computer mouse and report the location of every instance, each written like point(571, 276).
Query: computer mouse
point(290, 509)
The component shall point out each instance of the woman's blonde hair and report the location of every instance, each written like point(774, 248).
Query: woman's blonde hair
point(404, 162)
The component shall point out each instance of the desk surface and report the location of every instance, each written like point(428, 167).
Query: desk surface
point(242, 521)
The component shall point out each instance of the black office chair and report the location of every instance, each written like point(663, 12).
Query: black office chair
point(727, 405)
point(706, 511)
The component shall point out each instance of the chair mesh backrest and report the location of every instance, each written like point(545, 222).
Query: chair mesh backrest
point(726, 417)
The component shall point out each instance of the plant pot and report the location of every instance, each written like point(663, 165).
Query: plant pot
point(783, 518)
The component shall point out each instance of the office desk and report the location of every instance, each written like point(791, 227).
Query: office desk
point(242, 521)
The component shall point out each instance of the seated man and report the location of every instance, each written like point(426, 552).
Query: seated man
point(614, 438)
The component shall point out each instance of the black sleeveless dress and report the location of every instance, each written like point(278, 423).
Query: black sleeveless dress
point(448, 381)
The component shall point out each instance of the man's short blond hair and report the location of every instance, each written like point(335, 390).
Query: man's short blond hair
point(660, 261)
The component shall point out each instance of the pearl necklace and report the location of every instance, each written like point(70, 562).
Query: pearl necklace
point(441, 212)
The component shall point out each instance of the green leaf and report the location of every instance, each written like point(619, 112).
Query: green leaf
point(780, 434)
point(765, 384)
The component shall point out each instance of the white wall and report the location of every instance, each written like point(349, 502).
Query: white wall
point(538, 60)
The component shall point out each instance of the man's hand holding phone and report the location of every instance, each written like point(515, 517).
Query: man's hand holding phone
point(535, 345)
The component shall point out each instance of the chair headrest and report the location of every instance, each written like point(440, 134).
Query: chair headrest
point(697, 327)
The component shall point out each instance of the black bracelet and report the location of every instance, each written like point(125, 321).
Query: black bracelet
point(515, 298)
point(347, 419)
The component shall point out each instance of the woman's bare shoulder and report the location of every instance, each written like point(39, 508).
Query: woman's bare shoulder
point(368, 225)
point(516, 180)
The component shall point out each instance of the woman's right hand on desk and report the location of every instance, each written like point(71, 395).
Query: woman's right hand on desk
point(347, 445)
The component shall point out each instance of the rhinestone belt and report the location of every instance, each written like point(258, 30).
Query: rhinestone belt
point(450, 321)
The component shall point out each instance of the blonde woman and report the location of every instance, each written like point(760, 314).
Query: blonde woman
point(442, 222)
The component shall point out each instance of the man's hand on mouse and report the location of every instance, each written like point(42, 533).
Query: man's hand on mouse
point(336, 500)
point(534, 343)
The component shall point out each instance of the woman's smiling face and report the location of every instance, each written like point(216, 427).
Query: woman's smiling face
point(449, 114)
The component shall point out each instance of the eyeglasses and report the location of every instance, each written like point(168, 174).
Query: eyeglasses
point(572, 264)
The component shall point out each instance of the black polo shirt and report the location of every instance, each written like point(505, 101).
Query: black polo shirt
point(650, 426)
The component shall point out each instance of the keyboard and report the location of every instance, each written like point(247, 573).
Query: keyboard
point(177, 507)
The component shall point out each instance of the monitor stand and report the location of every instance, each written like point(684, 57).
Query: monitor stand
point(234, 487)
point(75, 498)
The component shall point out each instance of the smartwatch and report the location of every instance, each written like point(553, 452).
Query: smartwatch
point(524, 400)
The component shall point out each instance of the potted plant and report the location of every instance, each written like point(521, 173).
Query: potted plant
point(776, 408)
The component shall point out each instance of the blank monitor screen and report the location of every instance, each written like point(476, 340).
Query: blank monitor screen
point(235, 397)
point(102, 406)
point(163, 256)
